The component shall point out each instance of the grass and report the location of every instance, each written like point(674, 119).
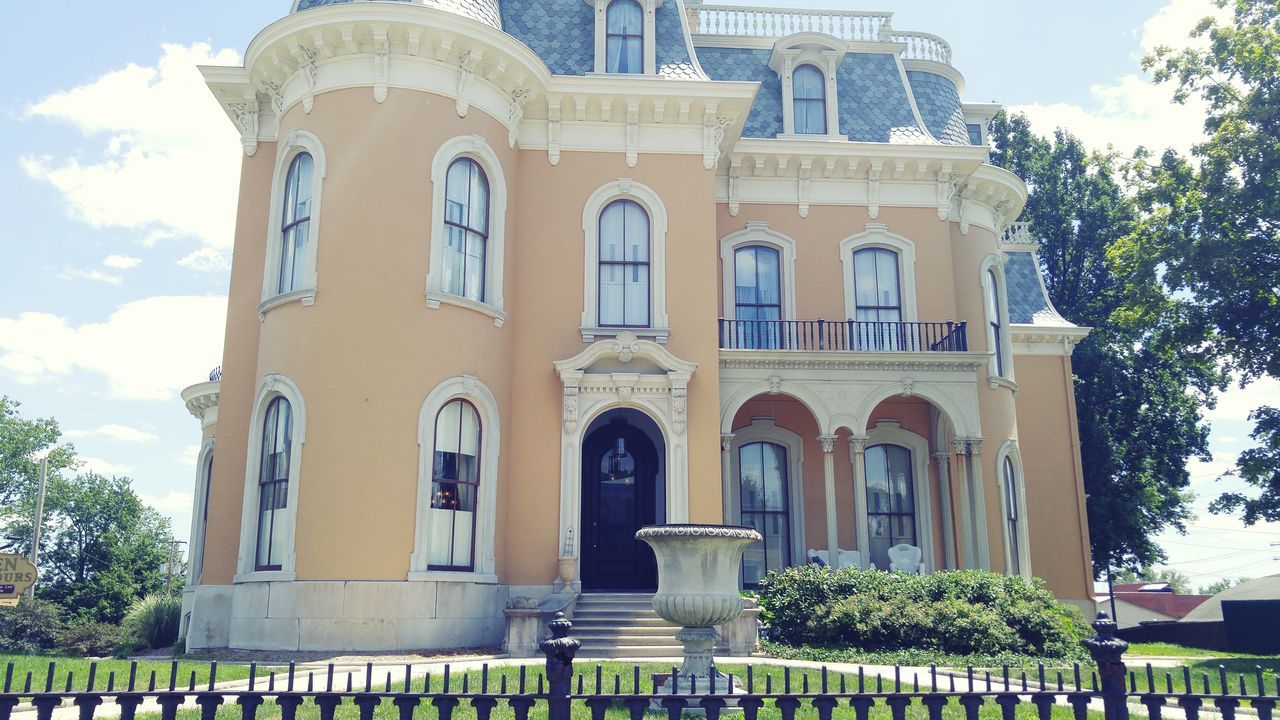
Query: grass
point(772, 677)
point(74, 672)
point(1180, 651)
point(1205, 676)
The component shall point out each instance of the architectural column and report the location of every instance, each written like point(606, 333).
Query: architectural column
point(973, 502)
point(857, 450)
point(979, 502)
point(829, 478)
point(943, 459)
point(731, 512)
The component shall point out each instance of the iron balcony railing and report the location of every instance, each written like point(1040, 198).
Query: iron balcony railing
point(843, 336)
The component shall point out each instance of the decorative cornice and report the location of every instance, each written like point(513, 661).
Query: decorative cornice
point(1044, 340)
point(202, 402)
point(893, 362)
point(715, 531)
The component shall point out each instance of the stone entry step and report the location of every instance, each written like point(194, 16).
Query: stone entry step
point(614, 625)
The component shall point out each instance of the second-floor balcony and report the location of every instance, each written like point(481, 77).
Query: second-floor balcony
point(844, 336)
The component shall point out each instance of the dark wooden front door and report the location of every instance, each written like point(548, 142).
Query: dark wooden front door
point(619, 467)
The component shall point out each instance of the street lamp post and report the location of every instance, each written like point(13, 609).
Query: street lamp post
point(39, 519)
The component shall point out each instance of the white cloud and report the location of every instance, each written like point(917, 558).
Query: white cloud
point(207, 260)
point(1133, 111)
point(121, 262)
point(171, 160)
point(103, 467)
point(148, 349)
point(174, 503)
point(188, 456)
point(119, 433)
point(1236, 403)
point(94, 274)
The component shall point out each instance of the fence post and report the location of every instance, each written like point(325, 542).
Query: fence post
point(1107, 651)
point(560, 650)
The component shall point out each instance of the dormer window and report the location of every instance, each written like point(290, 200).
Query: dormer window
point(810, 100)
point(807, 64)
point(625, 36)
point(624, 39)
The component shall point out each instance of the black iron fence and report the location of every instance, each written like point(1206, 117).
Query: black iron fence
point(843, 336)
point(1111, 691)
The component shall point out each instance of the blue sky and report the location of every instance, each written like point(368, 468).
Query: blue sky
point(118, 177)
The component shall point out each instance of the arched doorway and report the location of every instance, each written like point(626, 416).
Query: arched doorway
point(622, 473)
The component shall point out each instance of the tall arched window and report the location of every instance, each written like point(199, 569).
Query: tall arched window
point(295, 225)
point(1011, 504)
point(809, 93)
point(466, 223)
point(196, 561)
point(455, 485)
point(891, 504)
point(624, 265)
point(764, 493)
point(273, 485)
point(877, 291)
point(757, 295)
point(624, 37)
point(996, 336)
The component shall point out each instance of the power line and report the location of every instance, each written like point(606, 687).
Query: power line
point(1237, 530)
point(1211, 547)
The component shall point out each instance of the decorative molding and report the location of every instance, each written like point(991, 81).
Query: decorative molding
point(757, 232)
point(828, 443)
point(647, 198)
point(273, 385)
point(296, 143)
point(877, 235)
point(381, 63)
point(922, 362)
point(202, 402)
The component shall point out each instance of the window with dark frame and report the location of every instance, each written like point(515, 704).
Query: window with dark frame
point(891, 505)
point(993, 317)
point(455, 487)
point(466, 224)
point(764, 504)
point(197, 553)
point(809, 99)
point(877, 292)
point(295, 225)
point(273, 484)
point(624, 266)
point(624, 37)
point(1011, 514)
point(757, 295)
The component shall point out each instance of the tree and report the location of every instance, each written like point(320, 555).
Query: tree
point(1143, 374)
point(1223, 584)
point(1213, 223)
point(102, 548)
point(1179, 581)
point(20, 440)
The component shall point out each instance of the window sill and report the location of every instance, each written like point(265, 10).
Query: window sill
point(591, 334)
point(261, 576)
point(1000, 382)
point(453, 576)
point(306, 296)
point(435, 299)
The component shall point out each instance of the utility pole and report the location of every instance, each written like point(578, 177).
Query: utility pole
point(39, 519)
point(168, 583)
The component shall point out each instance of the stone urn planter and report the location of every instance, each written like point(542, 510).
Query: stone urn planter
point(567, 565)
point(698, 568)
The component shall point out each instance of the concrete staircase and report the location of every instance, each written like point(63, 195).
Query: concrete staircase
point(617, 625)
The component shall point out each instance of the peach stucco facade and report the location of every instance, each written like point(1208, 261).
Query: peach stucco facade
point(327, 471)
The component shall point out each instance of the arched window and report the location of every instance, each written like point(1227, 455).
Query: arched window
point(295, 224)
point(1013, 520)
point(624, 271)
point(763, 494)
point(466, 224)
point(996, 335)
point(455, 485)
point(809, 93)
point(891, 504)
point(197, 547)
point(877, 291)
point(273, 485)
point(757, 296)
point(624, 37)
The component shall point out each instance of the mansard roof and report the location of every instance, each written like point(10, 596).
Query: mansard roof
point(486, 11)
point(1029, 302)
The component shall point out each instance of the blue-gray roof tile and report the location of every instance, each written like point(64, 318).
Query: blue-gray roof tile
point(939, 104)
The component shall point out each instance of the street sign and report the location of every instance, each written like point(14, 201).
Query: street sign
point(16, 575)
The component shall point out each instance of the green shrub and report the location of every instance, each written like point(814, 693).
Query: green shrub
point(967, 612)
point(153, 621)
point(30, 627)
point(90, 639)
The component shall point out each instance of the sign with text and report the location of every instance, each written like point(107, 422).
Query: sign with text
point(17, 574)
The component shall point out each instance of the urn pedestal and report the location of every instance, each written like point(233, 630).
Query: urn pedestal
point(698, 570)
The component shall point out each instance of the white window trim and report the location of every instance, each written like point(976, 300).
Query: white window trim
point(766, 430)
point(467, 388)
point(625, 189)
point(297, 142)
point(890, 432)
point(650, 8)
point(475, 148)
point(877, 235)
point(823, 52)
point(195, 547)
point(1010, 451)
point(994, 265)
point(758, 233)
point(273, 385)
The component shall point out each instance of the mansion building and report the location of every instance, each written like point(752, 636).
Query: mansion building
point(515, 278)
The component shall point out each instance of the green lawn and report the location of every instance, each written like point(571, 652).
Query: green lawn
point(77, 670)
point(764, 678)
point(1169, 650)
point(1203, 674)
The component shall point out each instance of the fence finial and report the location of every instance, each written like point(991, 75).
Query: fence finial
point(1107, 652)
point(560, 650)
